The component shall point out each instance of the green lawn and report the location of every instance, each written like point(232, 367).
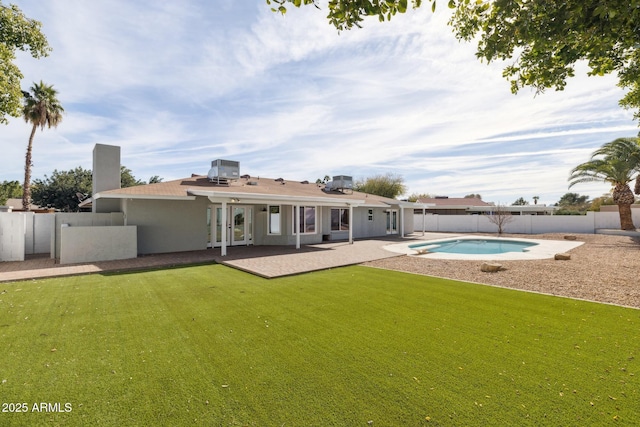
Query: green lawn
point(209, 345)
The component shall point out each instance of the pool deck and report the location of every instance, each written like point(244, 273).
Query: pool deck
point(544, 249)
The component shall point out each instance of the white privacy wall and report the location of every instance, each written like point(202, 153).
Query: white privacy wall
point(524, 224)
point(12, 236)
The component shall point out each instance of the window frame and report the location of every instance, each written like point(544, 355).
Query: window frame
point(270, 220)
point(303, 222)
point(341, 223)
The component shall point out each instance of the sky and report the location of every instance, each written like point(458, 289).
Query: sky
point(179, 84)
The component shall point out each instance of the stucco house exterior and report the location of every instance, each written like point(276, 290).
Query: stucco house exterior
point(225, 208)
point(473, 206)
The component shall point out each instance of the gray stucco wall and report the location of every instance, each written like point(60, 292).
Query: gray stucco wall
point(168, 225)
point(81, 219)
point(106, 176)
point(363, 228)
point(409, 219)
point(92, 244)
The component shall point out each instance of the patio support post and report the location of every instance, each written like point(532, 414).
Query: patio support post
point(401, 222)
point(351, 224)
point(424, 218)
point(297, 223)
point(223, 230)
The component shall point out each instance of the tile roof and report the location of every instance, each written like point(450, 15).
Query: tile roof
point(182, 188)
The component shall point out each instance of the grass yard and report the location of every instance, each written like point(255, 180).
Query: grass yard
point(356, 346)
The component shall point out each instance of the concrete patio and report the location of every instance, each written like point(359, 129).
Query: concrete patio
point(264, 261)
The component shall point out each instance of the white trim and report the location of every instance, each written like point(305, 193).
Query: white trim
point(296, 212)
point(254, 198)
point(141, 197)
point(223, 229)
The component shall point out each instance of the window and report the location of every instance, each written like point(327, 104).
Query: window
point(370, 215)
point(339, 219)
point(307, 219)
point(274, 219)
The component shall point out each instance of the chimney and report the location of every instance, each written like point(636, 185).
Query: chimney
point(106, 176)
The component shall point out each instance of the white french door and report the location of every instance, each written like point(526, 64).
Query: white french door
point(392, 222)
point(240, 225)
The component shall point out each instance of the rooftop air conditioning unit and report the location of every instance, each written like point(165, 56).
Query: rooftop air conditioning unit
point(222, 171)
point(342, 182)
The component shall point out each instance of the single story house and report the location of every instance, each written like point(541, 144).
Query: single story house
point(444, 205)
point(225, 208)
point(15, 205)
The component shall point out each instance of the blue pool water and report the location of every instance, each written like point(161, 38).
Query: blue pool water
point(475, 246)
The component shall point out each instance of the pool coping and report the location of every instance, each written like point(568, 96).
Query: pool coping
point(544, 249)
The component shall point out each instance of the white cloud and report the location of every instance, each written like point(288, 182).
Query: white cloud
point(180, 84)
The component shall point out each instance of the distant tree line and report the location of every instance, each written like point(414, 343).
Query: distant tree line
point(65, 190)
point(10, 190)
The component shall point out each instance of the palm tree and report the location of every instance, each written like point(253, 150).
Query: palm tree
point(628, 148)
point(616, 162)
point(41, 107)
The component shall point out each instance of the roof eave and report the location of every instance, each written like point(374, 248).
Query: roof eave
point(255, 198)
point(141, 196)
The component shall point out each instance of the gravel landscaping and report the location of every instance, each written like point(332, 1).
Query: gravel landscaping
point(605, 269)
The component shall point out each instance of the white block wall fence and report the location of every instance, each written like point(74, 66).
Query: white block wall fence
point(12, 236)
point(523, 224)
point(94, 237)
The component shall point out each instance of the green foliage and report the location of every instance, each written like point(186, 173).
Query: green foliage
point(520, 202)
point(415, 197)
point(616, 163)
point(473, 196)
point(41, 108)
point(9, 190)
point(127, 179)
point(569, 212)
point(346, 14)
point(389, 185)
point(573, 199)
point(606, 199)
point(573, 204)
point(17, 32)
point(63, 190)
point(214, 346)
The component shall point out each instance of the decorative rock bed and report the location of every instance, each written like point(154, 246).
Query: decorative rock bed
point(574, 279)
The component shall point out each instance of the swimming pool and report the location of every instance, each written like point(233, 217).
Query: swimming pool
point(429, 244)
point(475, 246)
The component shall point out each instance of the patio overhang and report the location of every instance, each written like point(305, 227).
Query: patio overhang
point(264, 199)
point(229, 197)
